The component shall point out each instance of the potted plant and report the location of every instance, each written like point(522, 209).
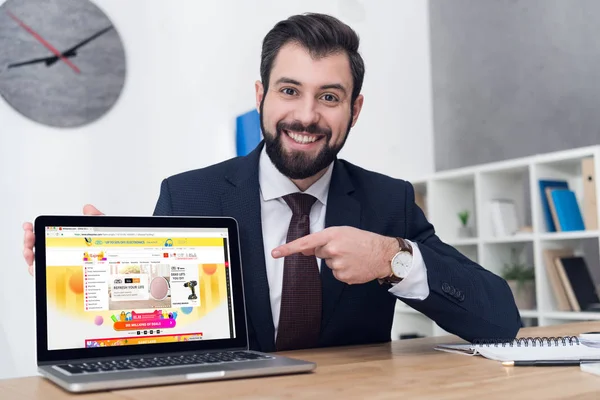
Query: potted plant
point(521, 279)
point(464, 230)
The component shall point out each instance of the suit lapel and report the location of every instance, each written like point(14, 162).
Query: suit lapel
point(242, 201)
point(342, 210)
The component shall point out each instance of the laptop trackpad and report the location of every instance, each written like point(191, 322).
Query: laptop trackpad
point(196, 373)
point(195, 376)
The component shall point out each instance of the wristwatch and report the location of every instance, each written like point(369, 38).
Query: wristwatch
point(400, 263)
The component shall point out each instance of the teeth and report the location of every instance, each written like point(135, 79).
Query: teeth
point(298, 138)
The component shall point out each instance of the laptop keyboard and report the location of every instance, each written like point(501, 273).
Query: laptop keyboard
point(161, 362)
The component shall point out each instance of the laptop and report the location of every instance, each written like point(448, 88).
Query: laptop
point(124, 302)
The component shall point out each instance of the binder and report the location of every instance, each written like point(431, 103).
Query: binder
point(248, 132)
point(554, 184)
point(565, 210)
point(590, 202)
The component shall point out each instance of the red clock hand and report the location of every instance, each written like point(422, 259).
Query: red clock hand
point(44, 42)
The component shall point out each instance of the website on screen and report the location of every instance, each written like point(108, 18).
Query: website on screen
point(115, 287)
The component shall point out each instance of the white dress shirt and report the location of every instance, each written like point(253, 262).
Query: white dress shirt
point(276, 216)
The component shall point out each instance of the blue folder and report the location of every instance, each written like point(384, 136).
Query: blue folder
point(247, 134)
point(544, 183)
point(567, 210)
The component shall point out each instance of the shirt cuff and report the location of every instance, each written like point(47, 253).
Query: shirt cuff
point(414, 285)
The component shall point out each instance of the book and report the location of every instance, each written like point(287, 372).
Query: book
point(578, 283)
point(505, 221)
point(560, 294)
point(565, 210)
point(527, 349)
point(543, 184)
point(567, 285)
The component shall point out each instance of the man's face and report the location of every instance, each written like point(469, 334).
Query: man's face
point(306, 114)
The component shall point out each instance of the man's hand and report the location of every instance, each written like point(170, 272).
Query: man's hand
point(29, 236)
point(355, 256)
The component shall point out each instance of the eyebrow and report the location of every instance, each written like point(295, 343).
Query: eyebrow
point(335, 86)
point(288, 80)
point(295, 82)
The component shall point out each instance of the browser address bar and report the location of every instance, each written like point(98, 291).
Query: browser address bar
point(133, 255)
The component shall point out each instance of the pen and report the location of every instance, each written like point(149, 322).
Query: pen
point(545, 363)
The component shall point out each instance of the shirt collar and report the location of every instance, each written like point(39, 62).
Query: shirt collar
point(273, 184)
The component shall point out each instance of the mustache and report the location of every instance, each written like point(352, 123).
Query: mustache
point(297, 126)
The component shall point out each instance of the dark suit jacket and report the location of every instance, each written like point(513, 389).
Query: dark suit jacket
point(464, 299)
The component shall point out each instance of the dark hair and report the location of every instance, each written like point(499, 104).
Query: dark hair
point(321, 35)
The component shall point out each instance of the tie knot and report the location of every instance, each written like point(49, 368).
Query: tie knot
point(300, 203)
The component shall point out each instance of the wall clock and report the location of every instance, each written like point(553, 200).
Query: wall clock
point(62, 62)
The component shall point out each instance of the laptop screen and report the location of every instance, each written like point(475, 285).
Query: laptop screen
point(109, 286)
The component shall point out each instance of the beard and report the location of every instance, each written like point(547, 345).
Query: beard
point(297, 164)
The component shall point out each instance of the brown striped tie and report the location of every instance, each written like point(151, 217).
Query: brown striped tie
point(300, 315)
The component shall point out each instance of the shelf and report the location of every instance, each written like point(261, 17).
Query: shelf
point(573, 315)
point(529, 313)
point(569, 235)
point(571, 156)
point(510, 239)
point(566, 315)
point(447, 197)
point(463, 242)
point(403, 309)
point(419, 184)
point(458, 176)
point(474, 189)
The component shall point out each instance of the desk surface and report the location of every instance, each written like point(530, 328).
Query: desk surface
point(407, 368)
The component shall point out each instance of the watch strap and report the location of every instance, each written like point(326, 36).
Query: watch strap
point(405, 245)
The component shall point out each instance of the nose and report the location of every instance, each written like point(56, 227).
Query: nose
point(307, 112)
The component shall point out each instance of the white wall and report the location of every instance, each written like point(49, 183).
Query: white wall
point(192, 67)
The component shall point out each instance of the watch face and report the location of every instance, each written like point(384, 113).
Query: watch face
point(62, 62)
point(401, 263)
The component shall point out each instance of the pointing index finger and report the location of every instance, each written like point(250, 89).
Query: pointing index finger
point(305, 244)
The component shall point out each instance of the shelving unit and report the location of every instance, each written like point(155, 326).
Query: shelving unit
point(447, 193)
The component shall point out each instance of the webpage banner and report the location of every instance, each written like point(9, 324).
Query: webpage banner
point(108, 290)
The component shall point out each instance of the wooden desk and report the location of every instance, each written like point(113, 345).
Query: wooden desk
point(405, 369)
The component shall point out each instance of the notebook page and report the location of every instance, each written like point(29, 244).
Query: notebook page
point(530, 353)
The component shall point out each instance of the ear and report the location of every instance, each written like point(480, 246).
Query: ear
point(356, 108)
point(260, 92)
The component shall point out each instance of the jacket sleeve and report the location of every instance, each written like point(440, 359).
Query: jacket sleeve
point(164, 206)
point(464, 298)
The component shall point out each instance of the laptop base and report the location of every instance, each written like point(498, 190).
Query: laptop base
point(277, 365)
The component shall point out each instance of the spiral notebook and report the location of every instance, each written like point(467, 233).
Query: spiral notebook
point(527, 349)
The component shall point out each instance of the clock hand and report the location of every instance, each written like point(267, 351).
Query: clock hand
point(68, 54)
point(43, 42)
point(29, 62)
point(48, 60)
point(72, 51)
point(86, 41)
point(52, 60)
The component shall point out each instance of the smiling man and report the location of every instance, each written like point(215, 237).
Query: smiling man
point(328, 247)
point(311, 107)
